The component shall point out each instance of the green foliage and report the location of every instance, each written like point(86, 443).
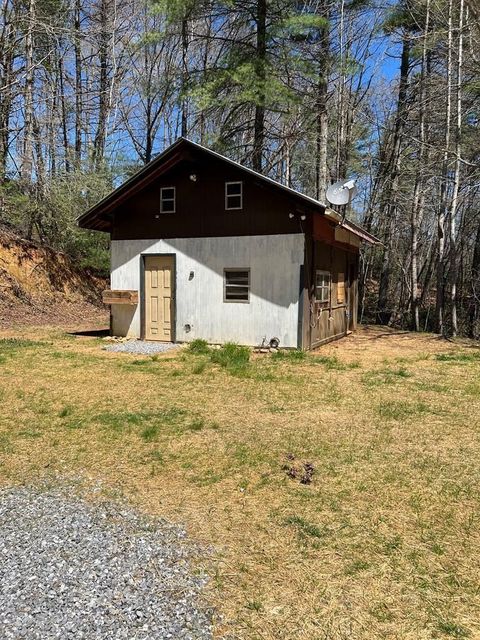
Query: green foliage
point(241, 81)
point(196, 425)
point(355, 567)
point(394, 410)
point(9, 346)
point(149, 425)
point(175, 10)
point(382, 612)
point(400, 16)
point(199, 347)
point(352, 5)
point(302, 25)
point(150, 433)
point(65, 412)
point(122, 421)
point(69, 196)
point(458, 357)
point(386, 376)
point(16, 205)
point(294, 355)
point(199, 367)
point(306, 528)
point(50, 216)
point(232, 357)
point(453, 629)
point(332, 362)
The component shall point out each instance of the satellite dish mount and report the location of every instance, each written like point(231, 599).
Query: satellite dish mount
point(341, 193)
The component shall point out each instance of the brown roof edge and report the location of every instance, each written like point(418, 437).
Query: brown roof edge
point(360, 232)
point(353, 227)
point(92, 219)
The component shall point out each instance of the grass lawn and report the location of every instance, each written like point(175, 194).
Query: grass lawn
point(384, 542)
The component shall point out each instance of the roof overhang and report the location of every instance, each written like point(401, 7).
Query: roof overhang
point(99, 217)
point(350, 226)
point(360, 232)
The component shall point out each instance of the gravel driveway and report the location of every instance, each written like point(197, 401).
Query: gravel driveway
point(75, 569)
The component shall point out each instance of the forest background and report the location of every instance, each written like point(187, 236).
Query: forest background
point(387, 92)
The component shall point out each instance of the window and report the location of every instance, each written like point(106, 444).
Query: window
point(322, 286)
point(167, 200)
point(236, 285)
point(341, 288)
point(233, 195)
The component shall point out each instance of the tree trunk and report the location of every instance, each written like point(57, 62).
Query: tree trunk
point(456, 180)
point(103, 89)
point(184, 77)
point(260, 64)
point(321, 172)
point(475, 276)
point(78, 82)
point(418, 192)
point(63, 113)
point(6, 92)
point(342, 112)
point(27, 146)
point(442, 212)
point(390, 191)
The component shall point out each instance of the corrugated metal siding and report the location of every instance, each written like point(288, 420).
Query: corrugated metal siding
point(274, 262)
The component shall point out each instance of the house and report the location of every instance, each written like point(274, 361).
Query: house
point(203, 247)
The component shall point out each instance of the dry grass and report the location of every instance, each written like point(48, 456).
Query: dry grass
point(384, 543)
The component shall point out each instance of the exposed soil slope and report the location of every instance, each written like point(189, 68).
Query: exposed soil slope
point(41, 286)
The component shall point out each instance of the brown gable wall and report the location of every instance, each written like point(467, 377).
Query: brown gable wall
point(200, 206)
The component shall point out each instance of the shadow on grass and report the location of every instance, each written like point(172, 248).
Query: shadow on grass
point(92, 333)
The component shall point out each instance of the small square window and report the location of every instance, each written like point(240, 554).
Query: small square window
point(322, 286)
point(236, 285)
point(233, 195)
point(167, 200)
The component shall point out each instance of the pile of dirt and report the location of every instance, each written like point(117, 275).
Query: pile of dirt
point(41, 286)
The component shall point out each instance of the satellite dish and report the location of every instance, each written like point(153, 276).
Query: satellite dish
point(342, 192)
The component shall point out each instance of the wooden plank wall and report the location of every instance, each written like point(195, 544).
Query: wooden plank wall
point(327, 321)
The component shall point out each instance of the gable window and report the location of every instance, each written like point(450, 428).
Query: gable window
point(322, 286)
point(236, 287)
point(341, 288)
point(233, 195)
point(167, 200)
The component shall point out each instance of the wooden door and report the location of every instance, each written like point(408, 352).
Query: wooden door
point(159, 298)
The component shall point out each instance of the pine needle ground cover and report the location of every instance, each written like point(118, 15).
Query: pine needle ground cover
point(338, 491)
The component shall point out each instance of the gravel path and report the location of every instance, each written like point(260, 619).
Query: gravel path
point(141, 347)
point(71, 569)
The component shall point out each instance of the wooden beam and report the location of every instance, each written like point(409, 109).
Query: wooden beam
point(120, 297)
